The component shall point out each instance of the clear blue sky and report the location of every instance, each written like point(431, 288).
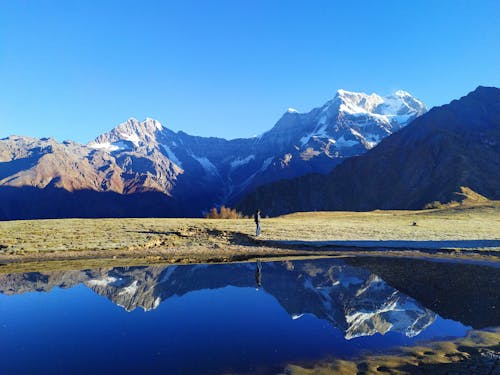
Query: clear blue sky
point(73, 69)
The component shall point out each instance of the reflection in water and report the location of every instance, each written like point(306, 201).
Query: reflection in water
point(463, 292)
point(308, 310)
point(258, 275)
point(346, 293)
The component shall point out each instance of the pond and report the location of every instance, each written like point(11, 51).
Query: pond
point(235, 318)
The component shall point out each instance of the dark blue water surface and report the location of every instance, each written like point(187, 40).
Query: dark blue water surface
point(244, 317)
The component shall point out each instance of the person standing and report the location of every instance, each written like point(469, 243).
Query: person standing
point(256, 218)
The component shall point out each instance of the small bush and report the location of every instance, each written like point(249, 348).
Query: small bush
point(432, 205)
point(223, 213)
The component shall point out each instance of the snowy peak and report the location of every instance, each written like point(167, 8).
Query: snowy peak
point(138, 132)
point(129, 135)
point(401, 103)
point(357, 102)
point(397, 104)
point(347, 125)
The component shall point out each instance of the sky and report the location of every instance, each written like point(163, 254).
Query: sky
point(76, 69)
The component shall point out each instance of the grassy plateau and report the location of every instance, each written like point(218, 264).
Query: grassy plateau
point(472, 231)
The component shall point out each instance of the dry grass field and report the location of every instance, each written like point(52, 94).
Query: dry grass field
point(474, 228)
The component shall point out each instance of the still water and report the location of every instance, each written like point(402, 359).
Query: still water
point(235, 318)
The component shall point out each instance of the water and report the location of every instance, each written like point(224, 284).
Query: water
point(243, 318)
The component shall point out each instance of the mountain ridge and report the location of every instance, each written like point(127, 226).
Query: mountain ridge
point(197, 173)
point(450, 147)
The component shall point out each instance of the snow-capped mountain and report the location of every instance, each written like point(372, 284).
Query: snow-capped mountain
point(194, 173)
point(349, 121)
point(445, 153)
point(129, 135)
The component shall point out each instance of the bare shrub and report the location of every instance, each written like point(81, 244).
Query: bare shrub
point(432, 205)
point(223, 213)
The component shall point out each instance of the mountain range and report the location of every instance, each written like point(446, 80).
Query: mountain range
point(444, 155)
point(356, 152)
point(142, 169)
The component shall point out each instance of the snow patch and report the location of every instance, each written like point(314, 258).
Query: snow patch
point(157, 302)
point(157, 124)
point(102, 282)
point(239, 162)
point(171, 155)
point(318, 132)
point(356, 133)
point(106, 146)
point(206, 164)
point(134, 138)
point(130, 290)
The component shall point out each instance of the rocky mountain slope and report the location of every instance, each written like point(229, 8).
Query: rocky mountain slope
point(450, 149)
point(145, 169)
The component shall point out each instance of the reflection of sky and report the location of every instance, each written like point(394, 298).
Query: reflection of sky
point(79, 332)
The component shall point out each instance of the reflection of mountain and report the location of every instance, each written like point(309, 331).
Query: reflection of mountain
point(352, 299)
point(463, 292)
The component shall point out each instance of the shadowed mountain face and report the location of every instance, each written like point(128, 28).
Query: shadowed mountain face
point(192, 173)
point(345, 293)
point(434, 158)
point(33, 203)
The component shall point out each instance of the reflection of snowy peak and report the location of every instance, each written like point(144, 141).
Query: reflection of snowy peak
point(129, 287)
point(195, 173)
point(352, 299)
point(378, 308)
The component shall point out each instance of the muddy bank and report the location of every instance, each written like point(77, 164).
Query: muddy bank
point(38, 261)
point(477, 353)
